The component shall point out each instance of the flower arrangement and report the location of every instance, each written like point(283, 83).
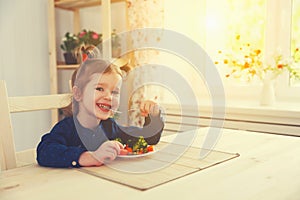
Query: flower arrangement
point(89, 37)
point(247, 63)
point(69, 42)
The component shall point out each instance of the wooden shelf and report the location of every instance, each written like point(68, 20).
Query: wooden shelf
point(68, 66)
point(77, 4)
point(120, 62)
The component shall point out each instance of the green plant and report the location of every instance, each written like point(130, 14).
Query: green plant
point(69, 42)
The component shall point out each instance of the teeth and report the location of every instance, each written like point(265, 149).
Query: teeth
point(104, 106)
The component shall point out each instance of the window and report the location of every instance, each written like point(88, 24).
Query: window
point(234, 28)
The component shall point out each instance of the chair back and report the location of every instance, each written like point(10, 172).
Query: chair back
point(8, 155)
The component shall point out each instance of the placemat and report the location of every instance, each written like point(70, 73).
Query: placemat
point(163, 166)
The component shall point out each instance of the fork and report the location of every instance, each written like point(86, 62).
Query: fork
point(132, 109)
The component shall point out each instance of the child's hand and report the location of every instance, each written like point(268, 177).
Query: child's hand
point(149, 107)
point(108, 151)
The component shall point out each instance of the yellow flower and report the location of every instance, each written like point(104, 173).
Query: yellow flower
point(257, 51)
point(246, 62)
point(246, 65)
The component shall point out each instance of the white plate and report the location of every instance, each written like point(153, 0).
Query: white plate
point(137, 155)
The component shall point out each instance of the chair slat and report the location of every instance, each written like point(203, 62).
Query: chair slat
point(33, 103)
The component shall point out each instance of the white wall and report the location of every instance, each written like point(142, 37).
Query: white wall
point(24, 63)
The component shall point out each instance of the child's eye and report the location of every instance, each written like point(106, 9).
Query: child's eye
point(100, 89)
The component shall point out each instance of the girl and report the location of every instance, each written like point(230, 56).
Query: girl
point(87, 137)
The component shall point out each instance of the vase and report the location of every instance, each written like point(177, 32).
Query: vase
point(70, 58)
point(267, 93)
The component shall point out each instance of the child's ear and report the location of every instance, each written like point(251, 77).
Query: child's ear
point(77, 95)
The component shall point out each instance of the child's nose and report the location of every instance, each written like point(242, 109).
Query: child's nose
point(108, 95)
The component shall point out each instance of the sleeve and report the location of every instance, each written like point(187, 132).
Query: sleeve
point(151, 130)
point(58, 148)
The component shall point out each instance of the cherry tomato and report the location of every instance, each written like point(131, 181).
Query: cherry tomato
point(128, 149)
point(150, 148)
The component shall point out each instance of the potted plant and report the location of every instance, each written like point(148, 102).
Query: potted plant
point(69, 44)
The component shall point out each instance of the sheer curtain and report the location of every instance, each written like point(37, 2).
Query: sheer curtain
point(142, 14)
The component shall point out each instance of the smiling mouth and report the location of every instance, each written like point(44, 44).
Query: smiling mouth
point(104, 107)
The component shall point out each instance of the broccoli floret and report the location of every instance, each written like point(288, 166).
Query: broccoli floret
point(136, 144)
point(119, 140)
point(140, 144)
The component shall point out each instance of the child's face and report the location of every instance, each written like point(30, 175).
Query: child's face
point(101, 95)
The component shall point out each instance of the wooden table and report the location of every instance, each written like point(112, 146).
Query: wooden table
point(268, 168)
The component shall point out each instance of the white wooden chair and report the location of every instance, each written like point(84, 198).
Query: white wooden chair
point(9, 158)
